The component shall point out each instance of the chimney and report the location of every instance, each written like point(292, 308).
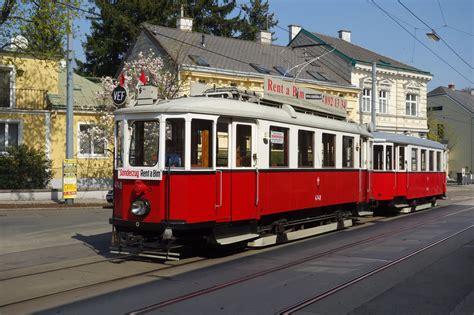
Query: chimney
point(452, 87)
point(293, 30)
point(345, 35)
point(264, 37)
point(184, 23)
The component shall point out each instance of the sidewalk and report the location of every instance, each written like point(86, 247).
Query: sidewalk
point(50, 204)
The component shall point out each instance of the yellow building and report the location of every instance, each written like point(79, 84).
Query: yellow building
point(207, 61)
point(32, 112)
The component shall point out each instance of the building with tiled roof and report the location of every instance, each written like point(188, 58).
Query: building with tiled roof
point(451, 114)
point(401, 88)
point(212, 61)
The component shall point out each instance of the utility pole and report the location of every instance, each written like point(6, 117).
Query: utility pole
point(374, 95)
point(69, 101)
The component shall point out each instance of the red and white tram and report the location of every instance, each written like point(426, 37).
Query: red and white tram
point(408, 172)
point(229, 171)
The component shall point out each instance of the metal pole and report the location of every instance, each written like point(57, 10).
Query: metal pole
point(69, 100)
point(374, 95)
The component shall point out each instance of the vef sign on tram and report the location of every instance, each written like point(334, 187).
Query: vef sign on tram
point(288, 92)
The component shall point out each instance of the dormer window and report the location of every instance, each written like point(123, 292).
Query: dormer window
point(320, 76)
point(198, 60)
point(260, 68)
point(283, 71)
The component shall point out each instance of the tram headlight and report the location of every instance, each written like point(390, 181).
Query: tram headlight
point(140, 207)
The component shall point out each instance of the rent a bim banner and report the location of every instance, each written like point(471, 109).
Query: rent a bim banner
point(288, 92)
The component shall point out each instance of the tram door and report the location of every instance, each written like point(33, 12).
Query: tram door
point(245, 177)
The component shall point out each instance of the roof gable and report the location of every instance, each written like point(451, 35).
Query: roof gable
point(358, 54)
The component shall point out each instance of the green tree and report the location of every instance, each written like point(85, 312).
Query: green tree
point(119, 26)
point(256, 18)
point(44, 24)
point(24, 168)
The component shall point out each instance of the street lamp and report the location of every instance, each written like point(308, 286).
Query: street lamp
point(433, 36)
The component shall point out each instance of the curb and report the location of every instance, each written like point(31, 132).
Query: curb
point(49, 206)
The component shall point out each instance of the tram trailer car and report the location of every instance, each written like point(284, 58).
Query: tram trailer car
point(408, 172)
point(227, 172)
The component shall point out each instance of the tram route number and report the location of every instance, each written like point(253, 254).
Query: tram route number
point(317, 198)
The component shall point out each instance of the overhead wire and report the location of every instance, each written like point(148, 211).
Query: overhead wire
point(446, 43)
point(423, 44)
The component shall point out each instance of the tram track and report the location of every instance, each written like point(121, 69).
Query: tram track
point(293, 263)
point(206, 290)
point(144, 273)
point(320, 296)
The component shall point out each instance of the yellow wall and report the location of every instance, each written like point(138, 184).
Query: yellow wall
point(32, 127)
point(88, 167)
point(32, 74)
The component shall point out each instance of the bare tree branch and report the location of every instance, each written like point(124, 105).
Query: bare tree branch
point(7, 8)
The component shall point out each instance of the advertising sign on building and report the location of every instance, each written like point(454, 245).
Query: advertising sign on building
point(289, 92)
point(69, 178)
point(134, 173)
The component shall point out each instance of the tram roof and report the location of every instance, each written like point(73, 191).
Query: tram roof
point(240, 109)
point(403, 139)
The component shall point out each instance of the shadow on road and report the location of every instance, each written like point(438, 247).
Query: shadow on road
point(99, 243)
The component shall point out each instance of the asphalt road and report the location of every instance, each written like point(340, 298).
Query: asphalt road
point(437, 280)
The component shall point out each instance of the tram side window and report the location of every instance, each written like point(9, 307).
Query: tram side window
point(119, 144)
point(423, 160)
point(222, 144)
point(347, 151)
point(389, 157)
point(378, 157)
point(243, 146)
point(305, 148)
point(414, 159)
point(329, 149)
point(278, 146)
point(438, 161)
point(401, 158)
point(175, 142)
point(144, 143)
point(431, 160)
point(201, 143)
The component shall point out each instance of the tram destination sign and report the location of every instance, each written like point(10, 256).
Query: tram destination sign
point(288, 92)
point(139, 173)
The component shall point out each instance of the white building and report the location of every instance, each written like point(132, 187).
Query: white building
point(401, 89)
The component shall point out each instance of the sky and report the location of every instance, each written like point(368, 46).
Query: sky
point(375, 30)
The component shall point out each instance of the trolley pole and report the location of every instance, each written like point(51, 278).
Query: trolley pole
point(69, 102)
point(374, 95)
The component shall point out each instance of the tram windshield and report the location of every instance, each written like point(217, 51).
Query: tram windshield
point(144, 142)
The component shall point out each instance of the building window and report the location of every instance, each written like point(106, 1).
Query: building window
point(383, 102)
point(6, 87)
point(347, 151)
point(201, 143)
point(366, 100)
point(329, 149)
point(305, 148)
point(91, 140)
point(378, 157)
point(278, 146)
point(9, 135)
point(411, 105)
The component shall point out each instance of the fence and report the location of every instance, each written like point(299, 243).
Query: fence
point(23, 98)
